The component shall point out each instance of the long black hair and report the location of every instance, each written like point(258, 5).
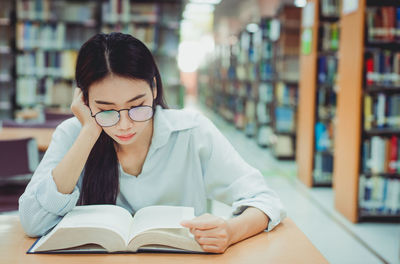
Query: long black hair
point(102, 55)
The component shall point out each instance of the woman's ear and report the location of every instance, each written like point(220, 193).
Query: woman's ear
point(154, 88)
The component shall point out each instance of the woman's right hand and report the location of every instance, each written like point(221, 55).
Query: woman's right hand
point(82, 112)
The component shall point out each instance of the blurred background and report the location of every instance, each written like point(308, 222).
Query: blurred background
point(305, 90)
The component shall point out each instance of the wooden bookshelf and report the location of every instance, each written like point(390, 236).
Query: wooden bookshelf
point(49, 34)
point(307, 95)
point(359, 192)
point(48, 37)
point(284, 109)
point(317, 102)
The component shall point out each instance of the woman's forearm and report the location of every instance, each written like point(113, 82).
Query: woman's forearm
point(251, 222)
point(67, 172)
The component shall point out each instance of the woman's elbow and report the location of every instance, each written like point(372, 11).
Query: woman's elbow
point(32, 219)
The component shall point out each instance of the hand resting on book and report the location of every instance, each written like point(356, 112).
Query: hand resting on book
point(213, 233)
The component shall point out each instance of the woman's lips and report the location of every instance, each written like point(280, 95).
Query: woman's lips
point(126, 137)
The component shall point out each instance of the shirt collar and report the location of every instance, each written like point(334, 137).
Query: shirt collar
point(167, 121)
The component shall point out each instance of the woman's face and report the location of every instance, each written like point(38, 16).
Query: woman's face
point(115, 93)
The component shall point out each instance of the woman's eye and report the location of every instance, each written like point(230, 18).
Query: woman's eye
point(137, 105)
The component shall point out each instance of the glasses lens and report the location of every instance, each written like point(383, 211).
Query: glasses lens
point(141, 113)
point(107, 118)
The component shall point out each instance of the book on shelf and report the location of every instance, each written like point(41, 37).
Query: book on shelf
point(326, 104)
point(329, 36)
point(170, 14)
point(54, 36)
point(48, 91)
point(383, 23)
point(262, 113)
point(116, 11)
point(382, 67)
point(250, 114)
point(379, 195)
point(288, 69)
point(26, 91)
point(265, 92)
point(323, 168)
point(57, 64)
point(327, 69)
point(284, 119)
point(285, 94)
point(266, 70)
point(264, 135)
point(5, 10)
point(111, 228)
point(381, 155)
point(44, 10)
point(381, 111)
point(330, 8)
point(282, 146)
point(144, 12)
point(323, 141)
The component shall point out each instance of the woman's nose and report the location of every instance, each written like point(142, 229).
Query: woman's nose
point(125, 122)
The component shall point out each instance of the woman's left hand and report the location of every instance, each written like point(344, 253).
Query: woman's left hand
point(213, 233)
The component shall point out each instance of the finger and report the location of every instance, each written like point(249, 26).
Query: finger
point(213, 232)
point(77, 91)
point(212, 249)
point(208, 241)
point(200, 224)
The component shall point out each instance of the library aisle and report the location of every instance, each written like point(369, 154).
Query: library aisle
point(339, 240)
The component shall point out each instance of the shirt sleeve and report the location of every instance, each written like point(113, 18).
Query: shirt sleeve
point(229, 179)
point(41, 206)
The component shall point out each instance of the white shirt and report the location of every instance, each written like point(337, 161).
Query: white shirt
point(188, 162)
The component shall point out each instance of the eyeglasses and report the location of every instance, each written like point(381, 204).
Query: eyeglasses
point(110, 118)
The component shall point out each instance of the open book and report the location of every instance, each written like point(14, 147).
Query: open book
point(111, 228)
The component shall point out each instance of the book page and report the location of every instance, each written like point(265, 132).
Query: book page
point(106, 216)
point(154, 217)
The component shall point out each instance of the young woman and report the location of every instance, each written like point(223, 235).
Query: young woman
point(124, 147)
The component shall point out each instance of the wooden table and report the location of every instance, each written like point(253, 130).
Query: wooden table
point(42, 135)
point(285, 244)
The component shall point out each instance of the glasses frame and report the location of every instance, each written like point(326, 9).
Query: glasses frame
point(119, 115)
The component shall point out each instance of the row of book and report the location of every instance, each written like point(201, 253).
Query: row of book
point(267, 52)
point(5, 42)
point(381, 155)
point(381, 111)
point(288, 68)
point(285, 94)
point(327, 69)
point(263, 115)
point(265, 92)
point(326, 104)
point(51, 36)
point(329, 37)
point(330, 8)
point(383, 23)
point(267, 70)
point(324, 136)
point(114, 11)
point(250, 118)
point(382, 67)
point(57, 64)
point(323, 168)
point(144, 33)
point(5, 9)
point(285, 119)
point(288, 43)
point(379, 196)
point(47, 91)
point(67, 11)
